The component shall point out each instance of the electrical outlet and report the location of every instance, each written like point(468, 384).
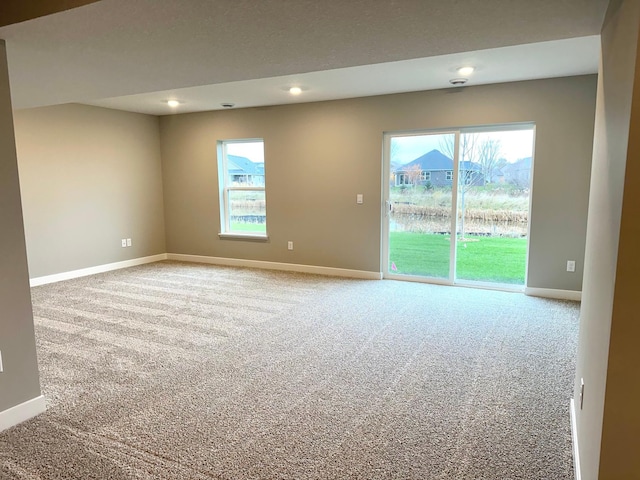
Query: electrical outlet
point(124, 242)
point(571, 266)
point(289, 245)
point(359, 199)
point(1, 367)
point(128, 242)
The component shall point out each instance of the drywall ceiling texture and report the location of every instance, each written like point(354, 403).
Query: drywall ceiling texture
point(608, 354)
point(89, 178)
point(557, 58)
point(123, 47)
point(19, 382)
point(320, 155)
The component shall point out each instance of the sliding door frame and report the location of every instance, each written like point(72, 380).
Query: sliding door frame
point(386, 204)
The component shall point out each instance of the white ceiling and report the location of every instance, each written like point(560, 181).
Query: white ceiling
point(135, 54)
point(523, 62)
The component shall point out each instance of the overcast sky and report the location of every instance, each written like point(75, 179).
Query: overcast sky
point(516, 144)
point(254, 151)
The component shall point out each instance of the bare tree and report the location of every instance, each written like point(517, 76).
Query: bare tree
point(413, 173)
point(489, 157)
point(394, 151)
point(467, 152)
point(467, 177)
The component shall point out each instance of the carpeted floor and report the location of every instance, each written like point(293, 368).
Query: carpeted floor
point(184, 371)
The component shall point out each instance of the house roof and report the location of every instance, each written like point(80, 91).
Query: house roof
point(435, 160)
point(470, 166)
point(242, 165)
point(519, 165)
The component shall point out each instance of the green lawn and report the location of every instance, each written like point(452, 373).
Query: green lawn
point(246, 227)
point(489, 259)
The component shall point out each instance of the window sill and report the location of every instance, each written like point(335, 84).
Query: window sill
point(253, 237)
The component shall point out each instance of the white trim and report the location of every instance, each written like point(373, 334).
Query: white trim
point(453, 227)
point(386, 203)
point(500, 287)
point(289, 267)
point(418, 279)
point(553, 293)
point(574, 441)
point(258, 237)
point(18, 414)
point(59, 277)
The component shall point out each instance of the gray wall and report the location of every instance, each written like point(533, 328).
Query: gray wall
point(608, 354)
point(319, 155)
point(89, 177)
point(19, 382)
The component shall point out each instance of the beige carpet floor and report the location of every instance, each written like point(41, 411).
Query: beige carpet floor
point(184, 371)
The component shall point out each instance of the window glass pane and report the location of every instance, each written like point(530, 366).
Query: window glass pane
point(247, 211)
point(493, 205)
point(242, 184)
point(245, 164)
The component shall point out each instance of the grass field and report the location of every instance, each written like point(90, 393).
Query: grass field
point(245, 227)
point(488, 259)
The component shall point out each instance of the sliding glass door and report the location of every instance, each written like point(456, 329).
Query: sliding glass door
point(419, 205)
point(474, 182)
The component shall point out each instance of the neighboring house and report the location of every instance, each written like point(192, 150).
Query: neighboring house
point(518, 173)
point(497, 176)
point(435, 168)
point(245, 172)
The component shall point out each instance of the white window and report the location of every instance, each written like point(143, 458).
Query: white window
point(241, 176)
point(469, 176)
point(402, 179)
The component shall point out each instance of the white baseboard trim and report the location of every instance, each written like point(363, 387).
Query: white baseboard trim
point(574, 441)
point(553, 293)
point(18, 414)
point(289, 267)
point(59, 277)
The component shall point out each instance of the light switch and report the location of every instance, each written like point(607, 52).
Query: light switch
point(359, 199)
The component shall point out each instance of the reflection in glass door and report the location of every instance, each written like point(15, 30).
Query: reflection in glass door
point(484, 176)
point(419, 205)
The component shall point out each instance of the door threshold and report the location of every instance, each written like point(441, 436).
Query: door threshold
point(501, 287)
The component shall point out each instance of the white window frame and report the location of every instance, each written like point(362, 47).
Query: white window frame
point(403, 179)
point(224, 188)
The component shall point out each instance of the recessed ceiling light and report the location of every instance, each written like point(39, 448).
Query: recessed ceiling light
point(464, 71)
point(295, 90)
point(173, 103)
